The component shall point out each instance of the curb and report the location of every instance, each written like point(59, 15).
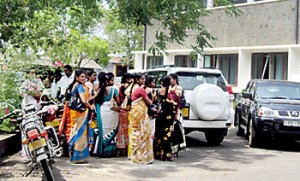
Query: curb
point(10, 144)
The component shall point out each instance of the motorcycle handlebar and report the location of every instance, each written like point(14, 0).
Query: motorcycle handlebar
point(14, 112)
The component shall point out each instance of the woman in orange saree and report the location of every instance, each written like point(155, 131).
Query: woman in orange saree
point(78, 141)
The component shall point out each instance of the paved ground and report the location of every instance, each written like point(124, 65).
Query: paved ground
point(233, 160)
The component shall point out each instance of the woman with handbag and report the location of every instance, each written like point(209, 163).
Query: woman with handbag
point(140, 136)
point(178, 142)
point(164, 122)
point(107, 108)
point(79, 105)
point(149, 88)
point(122, 136)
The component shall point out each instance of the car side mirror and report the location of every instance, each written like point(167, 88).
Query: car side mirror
point(247, 95)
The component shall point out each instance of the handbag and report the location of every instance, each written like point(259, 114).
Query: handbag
point(177, 133)
point(112, 103)
point(75, 102)
point(126, 105)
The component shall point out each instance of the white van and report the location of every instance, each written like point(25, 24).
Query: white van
point(209, 99)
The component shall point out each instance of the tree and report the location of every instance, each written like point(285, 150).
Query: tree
point(123, 37)
point(50, 29)
point(176, 18)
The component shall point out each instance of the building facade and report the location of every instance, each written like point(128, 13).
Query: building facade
point(263, 42)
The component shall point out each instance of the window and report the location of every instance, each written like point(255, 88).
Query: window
point(278, 90)
point(269, 66)
point(120, 69)
point(185, 61)
point(210, 61)
point(154, 61)
point(228, 65)
point(157, 75)
point(190, 80)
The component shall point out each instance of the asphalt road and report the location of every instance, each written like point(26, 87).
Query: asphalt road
point(233, 160)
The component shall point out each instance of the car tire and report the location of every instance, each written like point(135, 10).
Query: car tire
point(209, 102)
point(238, 129)
point(253, 138)
point(214, 139)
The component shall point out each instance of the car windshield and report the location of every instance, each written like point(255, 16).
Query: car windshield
point(278, 90)
point(190, 80)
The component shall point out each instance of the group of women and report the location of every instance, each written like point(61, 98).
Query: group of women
point(130, 130)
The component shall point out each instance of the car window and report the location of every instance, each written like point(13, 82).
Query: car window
point(248, 87)
point(156, 75)
point(252, 89)
point(278, 90)
point(190, 80)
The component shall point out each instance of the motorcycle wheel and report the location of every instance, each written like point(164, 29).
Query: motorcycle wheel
point(47, 170)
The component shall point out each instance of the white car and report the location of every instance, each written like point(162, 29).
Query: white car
point(209, 100)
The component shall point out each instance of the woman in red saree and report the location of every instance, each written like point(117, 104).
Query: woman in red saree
point(140, 136)
point(122, 136)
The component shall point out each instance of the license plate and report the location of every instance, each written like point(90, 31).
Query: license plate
point(37, 144)
point(53, 123)
point(185, 112)
point(291, 123)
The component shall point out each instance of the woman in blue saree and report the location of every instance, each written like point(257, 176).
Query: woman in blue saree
point(107, 119)
point(78, 141)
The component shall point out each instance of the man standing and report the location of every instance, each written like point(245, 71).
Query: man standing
point(66, 80)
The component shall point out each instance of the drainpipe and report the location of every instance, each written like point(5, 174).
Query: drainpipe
point(296, 21)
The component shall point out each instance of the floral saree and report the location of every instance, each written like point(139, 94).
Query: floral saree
point(164, 126)
point(140, 136)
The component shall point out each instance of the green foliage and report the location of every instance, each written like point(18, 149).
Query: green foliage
point(7, 126)
point(123, 36)
point(9, 90)
point(47, 29)
point(176, 18)
point(95, 48)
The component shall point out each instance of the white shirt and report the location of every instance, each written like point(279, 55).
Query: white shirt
point(64, 83)
point(54, 89)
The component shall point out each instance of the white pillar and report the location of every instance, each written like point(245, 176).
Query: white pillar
point(294, 64)
point(210, 4)
point(138, 61)
point(200, 60)
point(244, 70)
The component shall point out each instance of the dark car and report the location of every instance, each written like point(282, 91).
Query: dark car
point(268, 109)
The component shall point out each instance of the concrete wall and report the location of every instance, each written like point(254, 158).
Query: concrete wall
point(262, 23)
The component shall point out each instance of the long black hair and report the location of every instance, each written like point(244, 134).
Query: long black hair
point(103, 80)
point(166, 81)
point(148, 82)
point(90, 73)
point(175, 77)
point(137, 76)
point(124, 79)
point(69, 89)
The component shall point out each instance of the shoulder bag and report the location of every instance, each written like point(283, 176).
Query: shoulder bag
point(75, 102)
point(112, 103)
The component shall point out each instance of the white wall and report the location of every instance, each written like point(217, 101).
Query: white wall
point(294, 64)
point(138, 61)
point(169, 59)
